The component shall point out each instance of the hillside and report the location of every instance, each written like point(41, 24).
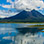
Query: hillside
point(25, 16)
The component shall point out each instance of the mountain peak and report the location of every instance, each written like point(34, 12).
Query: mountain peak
point(26, 16)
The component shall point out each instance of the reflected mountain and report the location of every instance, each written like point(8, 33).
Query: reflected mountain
point(29, 30)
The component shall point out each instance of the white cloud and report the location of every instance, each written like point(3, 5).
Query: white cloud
point(6, 6)
point(12, 3)
point(29, 4)
point(4, 14)
point(7, 37)
point(8, 0)
point(0, 4)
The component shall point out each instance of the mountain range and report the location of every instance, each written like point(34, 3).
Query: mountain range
point(25, 16)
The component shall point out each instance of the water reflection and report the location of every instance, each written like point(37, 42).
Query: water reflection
point(9, 31)
point(3, 41)
point(29, 30)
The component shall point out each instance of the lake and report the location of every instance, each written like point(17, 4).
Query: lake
point(8, 30)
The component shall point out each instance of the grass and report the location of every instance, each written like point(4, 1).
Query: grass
point(24, 22)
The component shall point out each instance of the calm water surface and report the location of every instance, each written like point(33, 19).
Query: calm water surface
point(6, 28)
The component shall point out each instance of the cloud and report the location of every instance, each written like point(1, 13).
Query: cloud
point(4, 14)
point(12, 3)
point(6, 6)
point(29, 4)
point(7, 37)
point(9, 1)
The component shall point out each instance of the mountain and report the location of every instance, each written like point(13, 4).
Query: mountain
point(25, 16)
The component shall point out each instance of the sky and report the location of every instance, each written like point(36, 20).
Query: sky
point(12, 7)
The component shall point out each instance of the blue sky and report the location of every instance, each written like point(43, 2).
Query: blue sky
point(4, 2)
point(6, 5)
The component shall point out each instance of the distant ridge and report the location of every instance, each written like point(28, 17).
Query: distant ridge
point(25, 16)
